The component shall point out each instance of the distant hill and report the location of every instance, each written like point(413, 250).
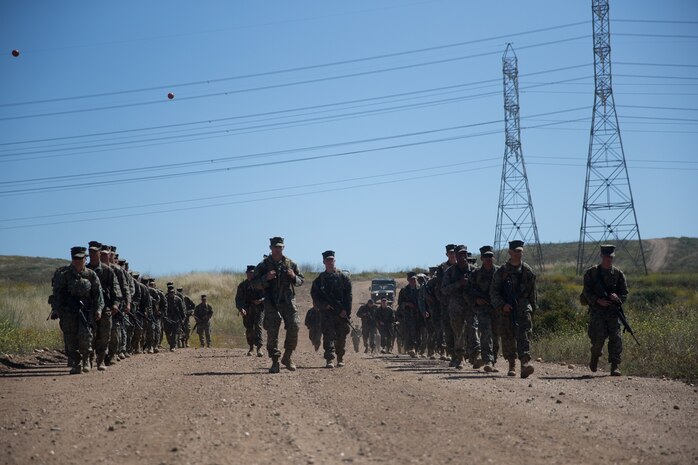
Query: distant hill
point(36, 270)
point(670, 254)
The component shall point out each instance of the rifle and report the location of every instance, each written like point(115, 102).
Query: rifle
point(623, 320)
point(512, 298)
point(81, 307)
point(334, 305)
point(192, 330)
point(618, 307)
point(132, 319)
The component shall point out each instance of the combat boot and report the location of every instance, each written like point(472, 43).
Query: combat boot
point(287, 362)
point(249, 352)
point(526, 370)
point(488, 367)
point(260, 352)
point(275, 368)
point(594, 363)
point(340, 361)
point(512, 368)
point(76, 370)
point(412, 353)
point(477, 361)
point(615, 370)
point(329, 364)
point(100, 363)
point(460, 363)
point(86, 364)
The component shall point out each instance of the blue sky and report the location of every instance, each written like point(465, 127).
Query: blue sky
point(92, 148)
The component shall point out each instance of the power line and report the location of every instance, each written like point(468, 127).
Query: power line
point(286, 84)
point(668, 36)
point(657, 21)
point(240, 194)
point(58, 148)
point(334, 189)
point(295, 69)
point(285, 196)
point(84, 184)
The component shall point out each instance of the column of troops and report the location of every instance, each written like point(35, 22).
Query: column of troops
point(108, 313)
point(459, 312)
point(463, 312)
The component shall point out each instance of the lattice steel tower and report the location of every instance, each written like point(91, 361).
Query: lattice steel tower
point(608, 213)
point(515, 218)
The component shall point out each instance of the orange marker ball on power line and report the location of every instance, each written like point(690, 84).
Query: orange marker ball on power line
point(15, 53)
point(170, 95)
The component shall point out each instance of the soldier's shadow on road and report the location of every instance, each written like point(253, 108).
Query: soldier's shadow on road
point(37, 372)
point(473, 376)
point(227, 373)
point(571, 377)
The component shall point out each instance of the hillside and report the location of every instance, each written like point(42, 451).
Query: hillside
point(669, 254)
point(34, 270)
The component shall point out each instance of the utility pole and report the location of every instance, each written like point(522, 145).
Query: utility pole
point(608, 213)
point(515, 218)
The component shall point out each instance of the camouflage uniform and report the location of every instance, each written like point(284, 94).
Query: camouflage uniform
point(386, 320)
point(162, 312)
point(603, 321)
point(189, 307)
point(516, 340)
point(202, 314)
point(368, 325)
point(142, 315)
point(116, 338)
point(313, 322)
point(487, 322)
point(152, 329)
point(330, 290)
point(111, 294)
point(71, 289)
point(279, 303)
point(429, 305)
point(251, 300)
point(175, 316)
point(459, 310)
point(447, 339)
point(128, 327)
point(408, 309)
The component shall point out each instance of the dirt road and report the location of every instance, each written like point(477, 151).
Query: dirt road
point(218, 406)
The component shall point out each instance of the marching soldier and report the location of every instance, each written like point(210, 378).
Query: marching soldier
point(331, 293)
point(111, 293)
point(367, 313)
point(278, 276)
point(386, 319)
point(78, 299)
point(604, 288)
point(250, 304)
point(455, 286)
point(479, 295)
point(444, 326)
point(202, 315)
point(513, 295)
point(408, 311)
point(175, 317)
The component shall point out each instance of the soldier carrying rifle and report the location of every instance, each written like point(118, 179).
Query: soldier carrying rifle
point(605, 290)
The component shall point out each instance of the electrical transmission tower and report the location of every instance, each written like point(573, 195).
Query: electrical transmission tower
point(608, 213)
point(515, 218)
